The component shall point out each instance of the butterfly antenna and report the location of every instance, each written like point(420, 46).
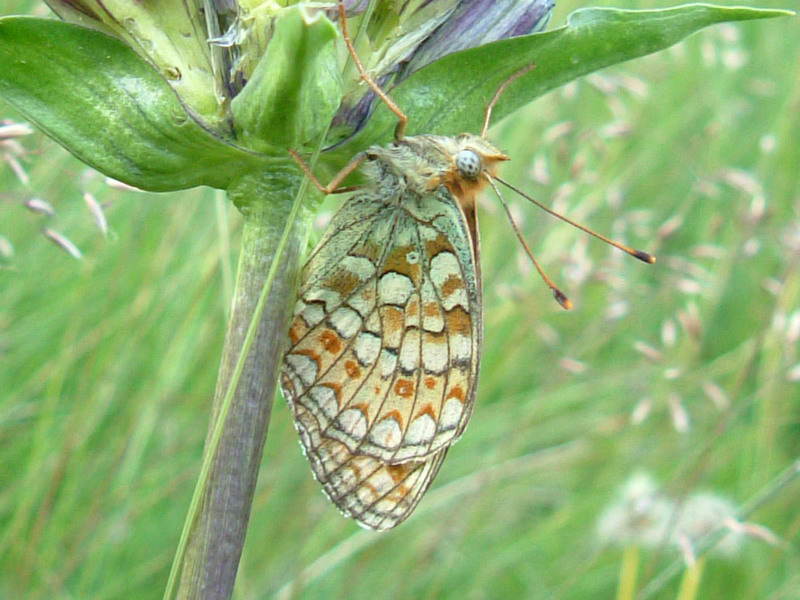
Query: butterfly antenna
point(641, 255)
point(487, 113)
point(560, 297)
point(402, 119)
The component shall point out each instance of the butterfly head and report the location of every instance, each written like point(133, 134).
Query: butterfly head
point(471, 159)
point(468, 164)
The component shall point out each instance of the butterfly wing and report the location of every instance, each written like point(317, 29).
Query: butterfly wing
point(382, 365)
point(377, 494)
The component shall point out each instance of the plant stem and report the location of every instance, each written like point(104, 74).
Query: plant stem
point(691, 580)
point(626, 589)
point(272, 242)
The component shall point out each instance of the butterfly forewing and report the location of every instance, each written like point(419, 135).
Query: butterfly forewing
point(383, 356)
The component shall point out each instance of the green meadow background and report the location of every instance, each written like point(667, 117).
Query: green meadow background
point(686, 372)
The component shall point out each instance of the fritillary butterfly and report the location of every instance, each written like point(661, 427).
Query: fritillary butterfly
point(385, 341)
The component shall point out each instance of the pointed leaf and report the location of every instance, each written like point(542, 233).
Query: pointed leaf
point(448, 96)
point(96, 97)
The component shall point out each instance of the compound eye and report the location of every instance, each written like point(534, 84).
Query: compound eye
point(468, 164)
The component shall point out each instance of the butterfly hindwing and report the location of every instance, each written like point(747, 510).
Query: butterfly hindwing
point(376, 494)
point(383, 356)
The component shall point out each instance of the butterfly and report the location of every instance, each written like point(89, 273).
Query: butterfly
point(384, 345)
point(382, 366)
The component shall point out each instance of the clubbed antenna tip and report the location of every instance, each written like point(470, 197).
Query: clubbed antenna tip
point(565, 302)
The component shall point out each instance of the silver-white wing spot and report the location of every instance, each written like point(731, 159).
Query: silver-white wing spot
point(460, 347)
point(361, 303)
point(394, 288)
point(447, 278)
point(388, 362)
point(311, 314)
point(346, 321)
point(431, 319)
point(434, 356)
point(451, 414)
point(304, 366)
point(386, 433)
point(409, 351)
point(358, 265)
point(367, 347)
point(330, 298)
point(420, 431)
point(352, 422)
point(325, 399)
point(373, 323)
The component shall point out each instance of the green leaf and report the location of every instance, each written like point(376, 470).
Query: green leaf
point(449, 96)
point(96, 97)
point(295, 89)
point(166, 34)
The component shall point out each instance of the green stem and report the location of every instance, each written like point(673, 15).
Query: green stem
point(691, 580)
point(272, 242)
point(628, 570)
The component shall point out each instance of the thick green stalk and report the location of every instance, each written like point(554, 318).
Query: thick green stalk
point(272, 241)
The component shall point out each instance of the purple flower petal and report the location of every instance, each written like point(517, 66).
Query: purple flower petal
point(479, 22)
point(470, 24)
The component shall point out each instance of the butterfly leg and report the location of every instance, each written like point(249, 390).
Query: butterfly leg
point(487, 114)
point(402, 119)
point(333, 185)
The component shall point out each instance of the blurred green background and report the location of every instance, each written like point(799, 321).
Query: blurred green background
point(688, 370)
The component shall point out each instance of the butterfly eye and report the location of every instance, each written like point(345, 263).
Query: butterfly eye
point(468, 164)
